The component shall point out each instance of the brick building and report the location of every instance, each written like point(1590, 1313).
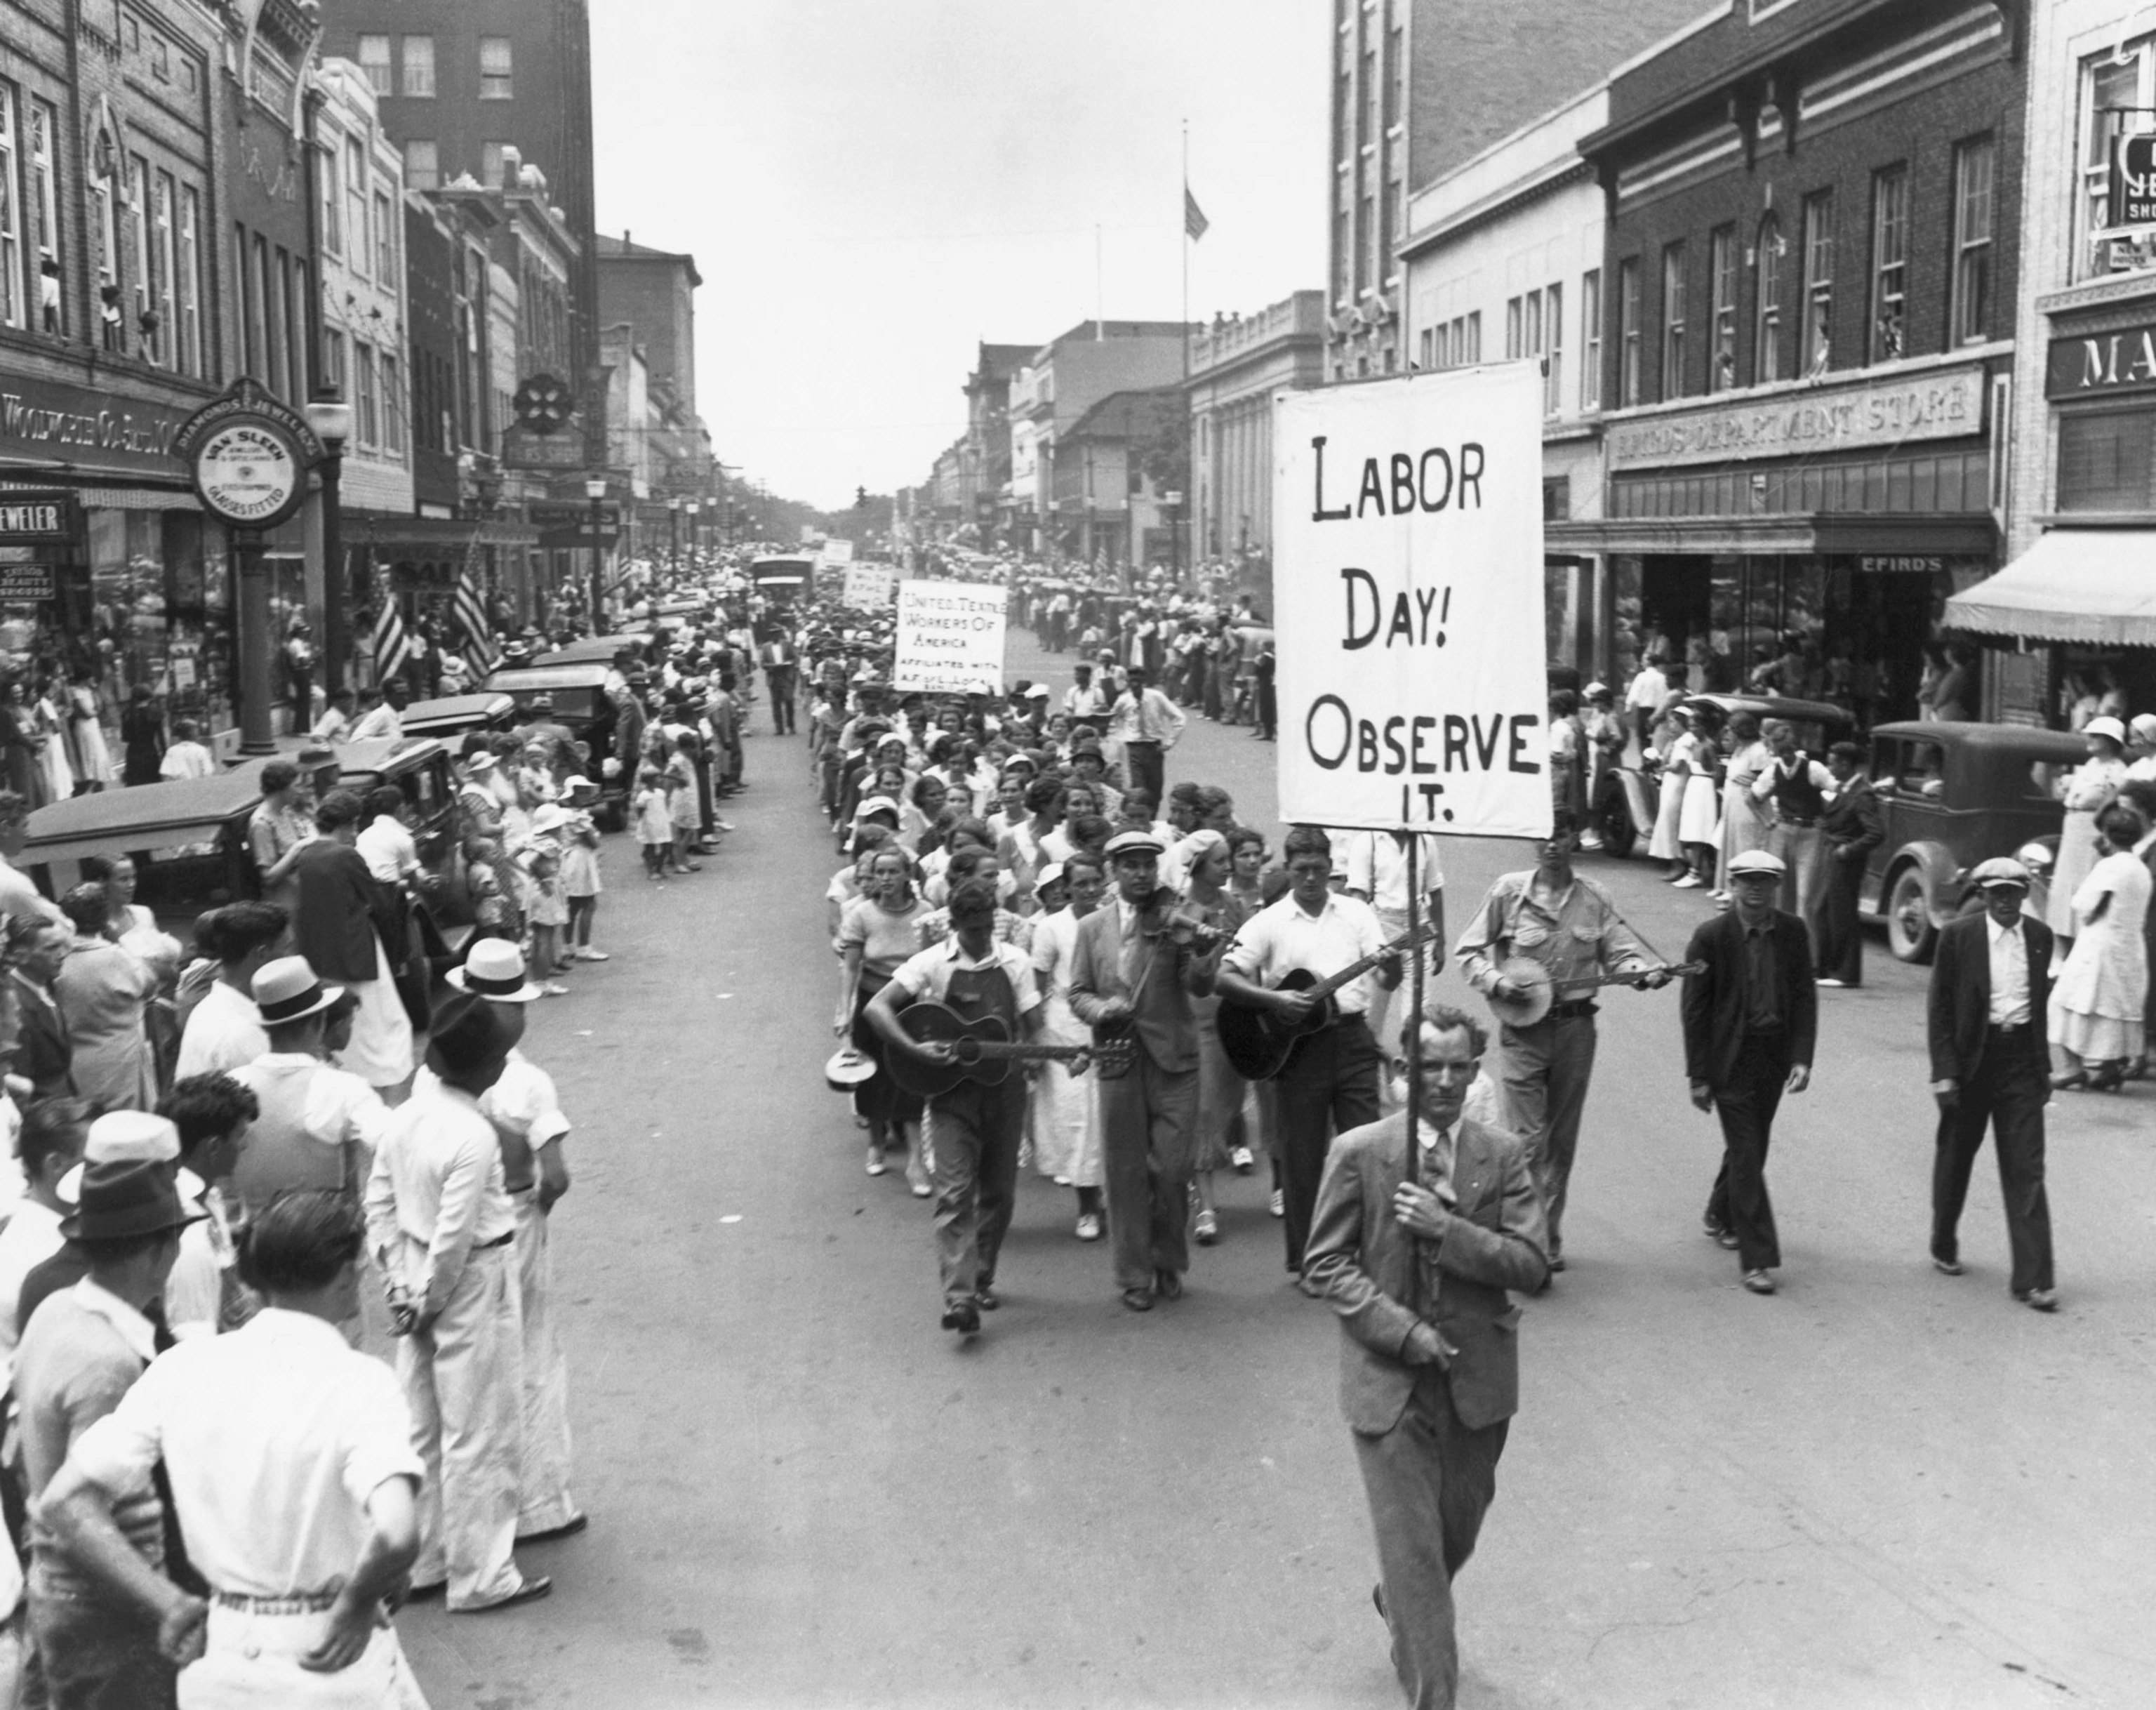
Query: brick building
point(1810, 281)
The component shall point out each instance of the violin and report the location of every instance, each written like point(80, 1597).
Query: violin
point(1181, 925)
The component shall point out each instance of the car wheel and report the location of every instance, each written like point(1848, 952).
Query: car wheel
point(1910, 933)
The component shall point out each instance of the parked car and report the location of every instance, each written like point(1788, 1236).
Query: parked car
point(1628, 793)
point(578, 693)
point(451, 715)
point(597, 649)
point(1952, 795)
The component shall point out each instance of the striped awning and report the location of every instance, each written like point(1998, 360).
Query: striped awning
point(2093, 586)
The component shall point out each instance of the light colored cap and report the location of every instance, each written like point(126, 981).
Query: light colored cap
point(123, 1137)
point(1757, 860)
point(570, 786)
point(2143, 727)
point(552, 817)
point(1593, 689)
point(1039, 692)
point(2106, 726)
point(874, 804)
point(1134, 842)
point(1049, 874)
point(2000, 870)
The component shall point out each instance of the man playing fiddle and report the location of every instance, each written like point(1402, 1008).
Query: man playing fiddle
point(1137, 962)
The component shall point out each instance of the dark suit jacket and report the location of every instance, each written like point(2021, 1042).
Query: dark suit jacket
point(333, 920)
point(1360, 1260)
point(43, 1057)
point(1852, 821)
point(1713, 1003)
point(1959, 1009)
point(1161, 1009)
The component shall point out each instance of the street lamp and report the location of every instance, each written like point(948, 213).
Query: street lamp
point(674, 535)
point(595, 489)
point(694, 509)
point(330, 417)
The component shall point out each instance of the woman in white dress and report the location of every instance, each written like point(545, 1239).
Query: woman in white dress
point(2087, 790)
point(1667, 844)
point(2098, 1000)
point(52, 741)
point(1743, 825)
point(93, 759)
point(1066, 1117)
point(1699, 818)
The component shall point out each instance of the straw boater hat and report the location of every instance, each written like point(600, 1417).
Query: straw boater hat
point(289, 989)
point(494, 970)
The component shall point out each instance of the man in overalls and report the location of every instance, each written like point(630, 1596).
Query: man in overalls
point(973, 1130)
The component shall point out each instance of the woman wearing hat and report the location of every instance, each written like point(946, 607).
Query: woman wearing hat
point(2099, 998)
point(877, 932)
point(1207, 865)
point(2087, 790)
point(1679, 753)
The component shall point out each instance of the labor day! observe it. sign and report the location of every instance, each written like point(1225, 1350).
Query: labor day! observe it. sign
point(1408, 523)
point(950, 639)
point(868, 586)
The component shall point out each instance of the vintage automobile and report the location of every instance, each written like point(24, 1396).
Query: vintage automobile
point(597, 649)
point(1627, 794)
point(1952, 795)
point(451, 715)
point(578, 695)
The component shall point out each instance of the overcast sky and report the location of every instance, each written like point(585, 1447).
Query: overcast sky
point(870, 186)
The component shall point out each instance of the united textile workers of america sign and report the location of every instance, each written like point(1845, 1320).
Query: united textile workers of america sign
point(1408, 519)
point(950, 639)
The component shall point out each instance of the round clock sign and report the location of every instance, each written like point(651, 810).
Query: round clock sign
point(249, 455)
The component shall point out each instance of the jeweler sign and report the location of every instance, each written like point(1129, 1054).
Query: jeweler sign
point(32, 519)
point(1408, 515)
point(950, 639)
point(2133, 181)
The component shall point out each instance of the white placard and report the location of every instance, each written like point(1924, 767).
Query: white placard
point(835, 552)
point(1409, 537)
point(868, 586)
point(950, 639)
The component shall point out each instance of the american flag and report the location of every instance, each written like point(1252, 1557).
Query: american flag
point(392, 641)
point(469, 612)
point(1193, 217)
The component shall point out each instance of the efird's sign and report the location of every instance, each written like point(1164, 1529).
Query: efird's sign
point(1408, 531)
point(2132, 181)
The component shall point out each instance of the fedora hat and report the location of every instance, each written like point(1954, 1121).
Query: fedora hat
point(494, 969)
point(120, 1200)
point(289, 989)
point(471, 1034)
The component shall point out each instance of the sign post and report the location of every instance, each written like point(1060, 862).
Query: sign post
point(1410, 618)
point(249, 454)
point(950, 639)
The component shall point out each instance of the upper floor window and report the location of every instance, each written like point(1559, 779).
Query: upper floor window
point(1889, 265)
point(1673, 321)
point(2119, 92)
point(14, 282)
point(374, 61)
point(194, 357)
point(1590, 341)
point(423, 163)
point(1628, 332)
point(1818, 356)
point(385, 241)
point(490, 162)
point(497, 71)
point(332, 159)
point(419, 65)
point(354, 202)
point(1553, 348)
point(1766, 340)
point(1975, 174)
point(42, 207)
point(1721, 269)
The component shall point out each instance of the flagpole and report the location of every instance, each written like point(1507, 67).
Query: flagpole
point(1190, 475)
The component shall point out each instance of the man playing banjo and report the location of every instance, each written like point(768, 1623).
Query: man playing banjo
point(1539, 946)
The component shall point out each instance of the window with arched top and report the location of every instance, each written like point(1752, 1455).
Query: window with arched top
point(1769, 256)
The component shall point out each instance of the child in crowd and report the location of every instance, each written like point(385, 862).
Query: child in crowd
point(549, 903)
point(493, 915)
point(654, 823)
point(580, 868)
point(187, 757)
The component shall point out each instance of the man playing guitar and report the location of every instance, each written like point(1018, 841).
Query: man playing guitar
point(974, 1131)
point(1567, 924)
point(1330, 1084)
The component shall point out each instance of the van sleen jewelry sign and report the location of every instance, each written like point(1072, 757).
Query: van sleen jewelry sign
point(249, 454)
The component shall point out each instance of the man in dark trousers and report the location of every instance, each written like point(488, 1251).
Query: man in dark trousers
point(1991, 984)
point(1126, 967)
point(1417, 1263)
point(1751, 1017)
point(1852, 827)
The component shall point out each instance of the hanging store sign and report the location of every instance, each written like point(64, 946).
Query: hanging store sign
point(249, 455)
point(21, 584)
point(2133, 198)
point(1938, 405)
point(36, 519)
point(87, 427)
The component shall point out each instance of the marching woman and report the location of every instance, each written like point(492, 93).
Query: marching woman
point(1206, 859)
point(1066, 1116)
point(2097, 1003)
point(877, 932)
point(2089, 789)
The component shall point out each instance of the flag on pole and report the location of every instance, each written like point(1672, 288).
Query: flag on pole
point(393, 642)
point(469, 612)
point(1193, 217)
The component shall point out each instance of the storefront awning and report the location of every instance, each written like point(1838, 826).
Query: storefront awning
point(2093, 585)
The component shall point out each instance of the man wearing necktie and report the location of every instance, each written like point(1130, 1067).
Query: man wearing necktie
point(1148, 724)
point(1418, 1263)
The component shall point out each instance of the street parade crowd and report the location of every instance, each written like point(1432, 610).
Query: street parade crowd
point(276, 1308)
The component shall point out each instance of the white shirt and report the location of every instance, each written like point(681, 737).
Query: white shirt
point(340, 1106)
point(2009, 973)
point(383, 721)
point(274, 1438)
point(32, 1236)
point(1089, 702)
point(1148, 717)
point(1378, 867)
point(927, 974)
point(437, 1183)
point(1649, 688)
point(1277, 941)
point(186, 760)
point(223, 1032)
point(388, 849)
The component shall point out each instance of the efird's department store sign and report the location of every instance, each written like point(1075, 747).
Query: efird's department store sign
point(1945, 405)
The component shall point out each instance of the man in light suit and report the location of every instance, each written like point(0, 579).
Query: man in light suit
point(1991, 986)
point(1127, 968)
point(1417, 1263)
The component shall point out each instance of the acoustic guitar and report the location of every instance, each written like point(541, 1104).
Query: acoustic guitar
point(982, 1051)
point(1538, 994)
point(1258, 1043)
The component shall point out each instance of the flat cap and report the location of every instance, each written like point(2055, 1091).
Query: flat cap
point(1757, 860)
point(1125, 843)
point(2000, 870)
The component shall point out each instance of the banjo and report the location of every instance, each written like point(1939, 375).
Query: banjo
point(1539, 994)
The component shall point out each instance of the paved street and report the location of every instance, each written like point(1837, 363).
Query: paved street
point(1882, 1487)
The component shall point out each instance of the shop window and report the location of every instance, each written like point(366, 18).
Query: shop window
point(13, 283)
point(419, 67)
point(1590, 341)
point(423, 163)
point(1673, 321)
point(2107, 462)
point(1721, 266)
point(1628, 332)
point(1818, 353)
point(45, 217)
point(1975, 173)
point(2117, 92)
point(374, 61)
point(1890, 264)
